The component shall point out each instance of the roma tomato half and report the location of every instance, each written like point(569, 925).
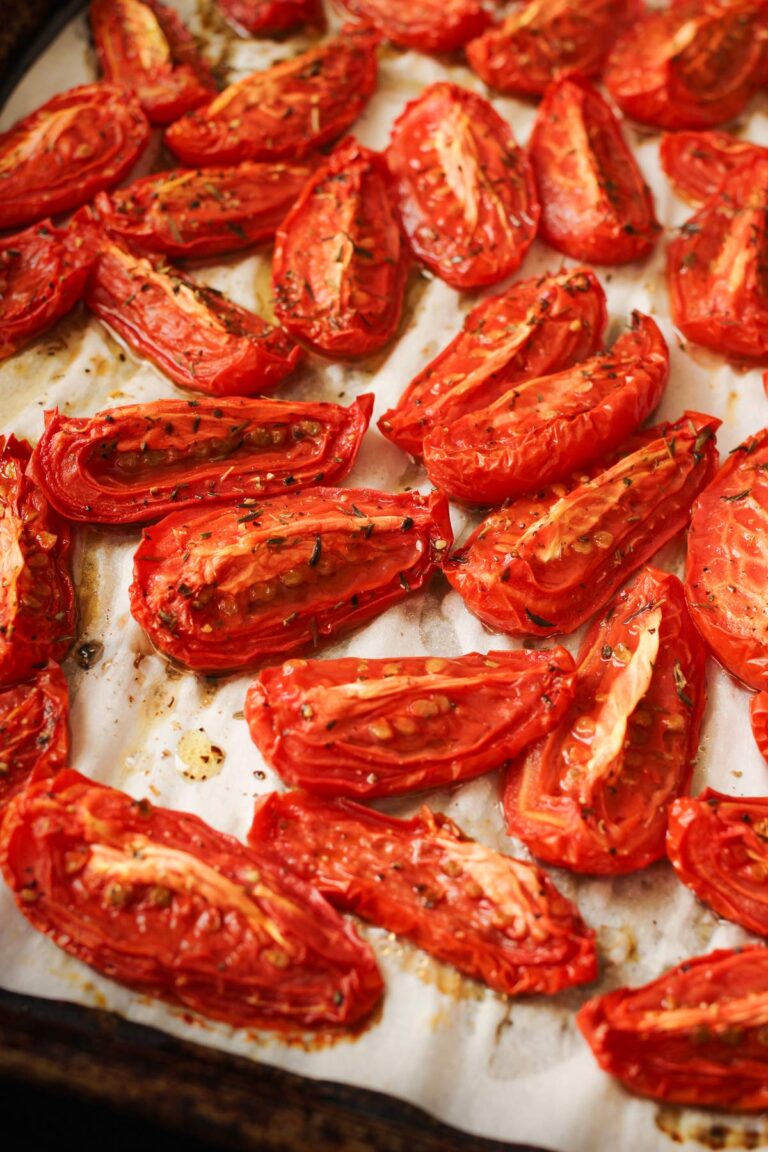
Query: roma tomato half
point(698, 162)
point(758, 718)
point(424, 25)
point(34, 736)
point(265, 17)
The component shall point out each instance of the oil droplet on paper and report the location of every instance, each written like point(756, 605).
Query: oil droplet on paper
point(196, 757)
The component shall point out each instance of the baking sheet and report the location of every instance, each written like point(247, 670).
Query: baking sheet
point(515, 1071)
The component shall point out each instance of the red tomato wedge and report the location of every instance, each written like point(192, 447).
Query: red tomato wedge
point(715, 267)
point(206, 212)
point(367, 728)
point(726, 570)
point(161, 902)
point(285, 112)
point(226, 588)
point(544, 429)
point(542, 38)
point(135, 53)
point(758, 718)
point(190, 332)
point(696, 1035)
point(57, 158)
point(545, 563)
point(37, 601)
point(263, 17)
point(595, 203)
point(698, 162)
point(34, 739)
point(341, 261)
point(465, 189)
point(593, 795)
point(425, 25)
point(692, 65)
point(496, 919)
point(537, 327)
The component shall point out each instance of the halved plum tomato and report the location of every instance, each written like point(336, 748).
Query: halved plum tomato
point(595, 203)
point(263, 17)
point(205, 212)
point(716, 267)
point(227, 588)
point(698, 162)
point(758, 718)
point(691, 65)
point(57, 158)
point(37, 601)
point(137, 463)
point(593, 795)
point(34, 737)
point(726, 569)
point(287, 111)
point(497, 919)
point(696, 1035)
point(424, 25)
point(163, 903)
point(542, 38)
point(366, 728)
point(546, 562)
point(341, 260)
point(192, 333)
point(465, 189)
point(537, 327)
point(544, 429)
point(134, 52)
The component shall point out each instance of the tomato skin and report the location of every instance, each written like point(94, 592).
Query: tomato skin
point(758, 718)
point(695, 1035)
point(465, 189)
point(698, 162)
point(57, 158)
point(134, 464)
point(161, 902)
point(496, 919)
point(263, 17)
point(228, 588)
point(424, 25)
point(341, 262)
point(368, 728)
point(726, 565)
point(535, 328)
point(595, 203)
point(593, 794)
point(546, 428)
point(312, 99)
point(34, 738)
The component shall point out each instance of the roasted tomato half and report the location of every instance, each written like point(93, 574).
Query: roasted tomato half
point(691, 65)
point(263, 17)
point(593, 795)
point(287, 111)
point(465, 189)
point(726, 570)
point(158, 900)
point(694, 1036)
point(758, 718)
point(546, 562)
point(60, 156)
point(537, 327)
point(192, 333)
point(542, 430)
point(496, 919)
point(698, 162)
point(341, 261)
point(426, 25)
point(34, 738)
point(595, 203)
point(226, 588)
point(368, 728)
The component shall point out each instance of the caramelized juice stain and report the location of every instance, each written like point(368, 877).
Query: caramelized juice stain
point(681, 1128)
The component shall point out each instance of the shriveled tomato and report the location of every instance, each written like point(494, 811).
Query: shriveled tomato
point(535, 328)
point(726, 569)
point(595, 203)
point(465, 189)
point(192, 333)
point(496, 919)
point(542, 38)
point(593, 795)
point(691, 65)
point(37, 603)
point(426, 25)
point(696, 1035)
point(341, 261)
point(546, 562)
point(34, 739)
point(226, 588)
point(368, 728)
point(137, 463)
point(544, 429)
point(260, 17)
point(287, 111)
point(58, 157)
point(205, 212)
point(158, 900)
point(698, 162)
point(758, 718)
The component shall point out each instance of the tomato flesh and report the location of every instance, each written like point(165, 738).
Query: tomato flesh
point(698, 162)
point(424, 25)
point(260, 17)
point(758, 718)
point(34, 738)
